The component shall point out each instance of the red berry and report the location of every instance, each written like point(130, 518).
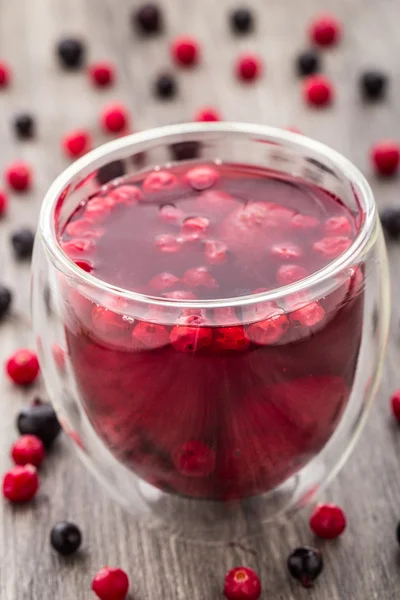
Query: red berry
point(19, 176)
point(99, 207)
point(328, 521)
point(195, 225)
point(242, 583)
point(78, 248)
point(168, 243)
point(3, 203)
point(126, 194)
point(325, 30)
point(76, 143)
point(185, 51)
point(207, 114)
point(111, 326)
point(150, 335)
point(287, 274)
point(248, 67)
point(163, 281)
point(318, 90)
point(102, 74)
point(338, 226)
point(23, 367)
point(395, 403)
point(170, 214)
point(331, 247)
point(29, 449)
point(5, 75)
point(385, 157)
point(269, 331)
point(160, 181)
point(304, 222)
point(114, 118)
point(111, 584)
point(83, 228)
point(21, 483)
point(202, 178)
point(199, 277)
point(308, 315)
point(230, 338)
point(187, 337)
point(194, 459)
point(286, 251)
point(215, 252)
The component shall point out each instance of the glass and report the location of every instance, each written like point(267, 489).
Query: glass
point(137, 415)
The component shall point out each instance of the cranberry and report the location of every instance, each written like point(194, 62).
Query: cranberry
point(185, 51)
point(19, 176)
point(29, 449)
point(83, 228)
point(126, 194)
point(102, 73)
point(215, 252)
point(170, 214)
point(99, 207)
point(194, 459)
point(23, 367)
point(328, 521)
point(230, 338)
point(385, 157)
point(111, 326)
point(199, 277)
point(290, 273)
point(5, 75)
point(202, 178)
point(242, 583)
point(325, 30)
point(207, 115)
point(300, 221)
point(111, 584)
point(168, 243)
point(114, 118)
point(163, 281)
point(318, 90)
point(150, 335)
point(305, 564)
point(268, 331)
point(338, 226)
point(308, 315)
point(160, 181)
point(395, 404)
point(3, 203)
point(195, 225)
point(75, 249)
point(286, 251)
point(76, 143)
point(248, 67)
point(21, 483)
point(332, 247)
point(188, 338)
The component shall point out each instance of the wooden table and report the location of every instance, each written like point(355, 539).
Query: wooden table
point(364, 564)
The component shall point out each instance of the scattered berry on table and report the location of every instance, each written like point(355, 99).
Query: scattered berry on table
point(147, 19)
point(23, 367)
point(385, 156)
point(325, 30)
point(241, 20)
point(114, 118)
point(19, 176)
point(110, 171)
point(185, 150)
point(111, 584)
point(185, 51)
point(28, 450)
point(5, 75)
point(305, 564)
point(21, 483)
point(24, 126)
point(390, 219)
point(328, 521)
point(3, 203)
point(102, 73)
point(395, 405)
point(71, 53)
point(242, 583)
point(165, 86)
point(248, 67)
point(39, 419)
point(65, 537)
point(373, 84)
point(22, 241)
point(318, 90)
point(5, 300)
point(76, 143)
point(308, 63)
point(207, 114)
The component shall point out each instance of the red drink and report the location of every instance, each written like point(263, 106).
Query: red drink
point(222, 403)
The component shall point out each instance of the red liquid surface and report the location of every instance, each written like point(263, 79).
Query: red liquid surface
point(198, 407)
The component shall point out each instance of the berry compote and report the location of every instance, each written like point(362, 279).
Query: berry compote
point(216, 403)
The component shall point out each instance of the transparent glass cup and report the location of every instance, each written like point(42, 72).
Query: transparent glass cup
point(130, 411)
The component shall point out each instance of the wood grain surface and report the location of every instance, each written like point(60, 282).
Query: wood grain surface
point(364, 565)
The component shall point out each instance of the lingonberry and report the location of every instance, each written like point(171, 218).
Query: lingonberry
point(163, 281)
point(373, 84)
point(318, 90)
point(40, 420)
point(185, 51)
point(325, 30)
point(21, 483)
point(300, 221)
point(23, 367)
point(307, 316)
point(287, 274)
point(168, 243)
point(385, 156)
point(230, 338)
point(5, 75)
point(76, 143)
point(150, 335)
point(114, 118)
point(195, 225)
point(126, 194)
point(216, 252)
point(19, 176)
point(199, 277)
point(147, 19)
point(5, 300)
point(102, 73)
point(3, 203)
point(286, 251)
point(202, 178)
point(165, 86)
point(241, 20)
point(170, 213)
point(189, 338)
point(395, 405)
point(248, 67)
point(71, 53)
point(160, 181)
point(111, 326)
point(78, 249)
point(268, 331)
point(99, 207)
point(194, 459)
point(111, 584)
point(29, 449)
point(305, 564)
point(22, 241)
point(65, 538)
point(331, 247)
point(242, 583)
point(207, 115)
point(83, 228)
point(328, 521)
point(24, 126)
point(338, 226)
point(307, 63)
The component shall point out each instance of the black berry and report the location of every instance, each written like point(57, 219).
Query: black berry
point(5, 300)
point(390, 219)
point(307, 63)
point(241, 20)
point(165, 86)
point(148, 19)
point(109, 171)
point(22, 242)
point(398, 533)
point(39, 419)
point(24, 126)
point(185, 150)
point(373, 85)
point(71, 53)
point(305, 564)
point(65, 538)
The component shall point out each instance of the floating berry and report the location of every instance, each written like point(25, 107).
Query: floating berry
point(395, 404)
point(40, 420)
point(102, 73)
point(287, 274)
point(5, 300)
point(216, 252)
point(22, 242)
point(5, 75)
point(300, 221)
point(163, 281)
point(202, 178)
point(328, 521)
point(325, 30)
point(242, 583)
point(331, 247)
point(24, 126)
point(385, 156)
point(230, 338)
point(170, 213)
point(168, 243)
point(189, 338)
point(114, 118)
point(286, 251)
point(241, 20)
point(76, 143)
point(19, 176)
point(338, 226)
point(148, 19)
point(165, 86)
point(269, 331)
point(305, 564)
point(21, 483)
point(373, 85)
point(126, 194)
point(71, 53)
point(195, 225)
point(65, 538)
point(78, 248)
point(308, 63)
point(207, 115)
point(308, 316)
point(185, 51)
point(29, 449)
point(111, 584)
point(318, 90)
point(398, 533)
point(160, 181)
point(199, 277)
point(248, 67)
point(3, 203)
point(194, 459)
point(150, 335)
point(23, 367)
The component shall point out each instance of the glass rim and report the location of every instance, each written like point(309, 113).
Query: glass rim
point(111, 150)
